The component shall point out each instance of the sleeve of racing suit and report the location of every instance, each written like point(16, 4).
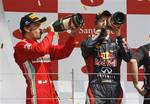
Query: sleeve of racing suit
point(124, 51)
point(87, 53)
point(86, 48)
point(62, 51)
point(88, 45)
point(139, 56)
point(36, 50)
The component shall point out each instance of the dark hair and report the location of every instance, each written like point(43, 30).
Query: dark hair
point(99, 15)
point(23, 31)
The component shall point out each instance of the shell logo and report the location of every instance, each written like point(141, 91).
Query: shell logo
point(92, 2)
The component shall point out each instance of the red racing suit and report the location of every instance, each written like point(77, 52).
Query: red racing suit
point(32, 58)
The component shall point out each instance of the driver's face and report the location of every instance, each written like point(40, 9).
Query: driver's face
point(35, 30)
point(102, 22)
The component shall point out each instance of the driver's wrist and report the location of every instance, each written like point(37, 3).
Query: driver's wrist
point(118, 34)
point(135, 84)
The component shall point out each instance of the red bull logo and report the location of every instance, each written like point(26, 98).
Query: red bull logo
point(107, 59)
point(92, 2)
point(105, 55)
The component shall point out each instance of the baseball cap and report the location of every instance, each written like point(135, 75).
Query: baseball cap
point(30, 18)
point(103, 13)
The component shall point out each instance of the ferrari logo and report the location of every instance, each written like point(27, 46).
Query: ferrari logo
point(32, 15)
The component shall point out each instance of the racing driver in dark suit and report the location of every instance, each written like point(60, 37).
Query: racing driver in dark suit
point(103, 58)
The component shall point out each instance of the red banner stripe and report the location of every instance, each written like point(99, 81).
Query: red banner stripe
point(138, 7)
point(31, 5)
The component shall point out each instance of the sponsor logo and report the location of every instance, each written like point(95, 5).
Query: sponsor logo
point(110, 63)
point(42, 81)
point(105, 55)
point(92, 2)
point(106, 70)
point(106, 59)
point(87, 31)
point(44, 59)
point(27, 46)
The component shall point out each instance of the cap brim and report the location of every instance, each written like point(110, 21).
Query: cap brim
point(41, 20)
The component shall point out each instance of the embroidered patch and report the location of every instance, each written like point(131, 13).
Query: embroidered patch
point(27, 46)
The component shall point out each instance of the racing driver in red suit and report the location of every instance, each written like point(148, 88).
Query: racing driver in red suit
point(32, 57)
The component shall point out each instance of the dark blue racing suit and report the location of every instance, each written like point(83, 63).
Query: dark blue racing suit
point(103, 59)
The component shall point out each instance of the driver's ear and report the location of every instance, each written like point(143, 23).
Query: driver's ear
point(26, 29)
